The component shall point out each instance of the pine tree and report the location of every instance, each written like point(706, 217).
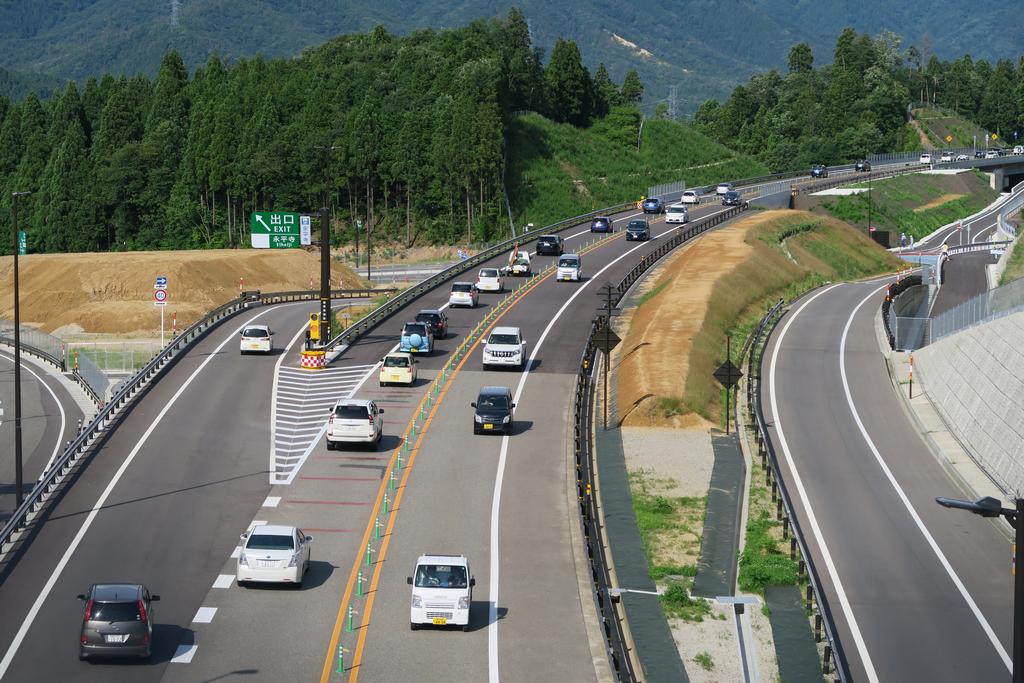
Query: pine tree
point(567, 85)
point(632, 88)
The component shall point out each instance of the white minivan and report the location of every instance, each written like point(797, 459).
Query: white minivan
point(570, 268)
point(442, 591)
point(677, 213)
point(690, 197)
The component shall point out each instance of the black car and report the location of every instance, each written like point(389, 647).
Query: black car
point(493, 410)
point(654, 205)
point(118, 621)
point(819, 171)
point(638, 230)
point(601, 224)
point(732, 198)
point(862, 166)
point(436, 320)
point(549, 244)
point(980, 154)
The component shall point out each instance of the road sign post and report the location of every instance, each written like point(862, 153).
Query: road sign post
point(727, 375)
point(275, 230)
point(160, 301)
point(606, 340)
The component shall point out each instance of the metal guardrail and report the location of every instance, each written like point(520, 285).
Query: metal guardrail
point(109, 412)
point(847, 178)
point(36, 342)
point(833, 653)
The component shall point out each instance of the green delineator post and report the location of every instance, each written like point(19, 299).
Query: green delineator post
point(348, 627)
point(359, 583)
point(341, 660)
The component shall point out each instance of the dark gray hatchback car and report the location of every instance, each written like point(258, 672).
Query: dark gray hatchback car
point(117, 622)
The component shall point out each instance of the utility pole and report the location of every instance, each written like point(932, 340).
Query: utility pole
point(325, 250)
point(18, 473)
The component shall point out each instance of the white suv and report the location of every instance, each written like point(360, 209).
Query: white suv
point(926, 158)
point(690, 197)
point(257, 339)
point(946, 157)
point(442, 591)
point(504, 346)
point(354, 420)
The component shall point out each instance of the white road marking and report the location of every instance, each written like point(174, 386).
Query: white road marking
point(184, 654)
point(492, 629)
point(204, 615)
point(272, 501)
point(985, 626)
point(236, 552)
point(91, 517)
point(844, 602)
point(57, 449)
point(257, 522)
point(224, 581)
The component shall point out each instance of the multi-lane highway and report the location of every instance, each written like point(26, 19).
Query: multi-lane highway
point(165, 498)
point(917, 593)
point(49, 419)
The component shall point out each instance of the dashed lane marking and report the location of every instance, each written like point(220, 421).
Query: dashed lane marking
point(272, 501)
point(224, 581)
point(184, 654)
point(204, 615)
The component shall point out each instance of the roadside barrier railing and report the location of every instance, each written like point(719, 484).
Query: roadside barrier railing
point(993, 304)
point(847, 178)
point(110, 412)
point(38, 343)
point(815, 600)
point(93, 380)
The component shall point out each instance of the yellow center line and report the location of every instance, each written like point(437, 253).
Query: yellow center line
point(379, 562)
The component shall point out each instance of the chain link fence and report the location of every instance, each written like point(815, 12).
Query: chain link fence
point(995, 303)
point(116, 356)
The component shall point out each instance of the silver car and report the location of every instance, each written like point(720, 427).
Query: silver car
point(117, 622)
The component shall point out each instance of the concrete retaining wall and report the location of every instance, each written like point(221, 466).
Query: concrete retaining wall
point(976, 381)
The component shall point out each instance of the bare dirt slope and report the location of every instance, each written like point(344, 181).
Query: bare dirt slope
point(112, 293)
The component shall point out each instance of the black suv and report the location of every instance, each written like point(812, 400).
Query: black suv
point(862, 166)
point(118, 621)
point(493, 410)
point(732, 198)
point(819, 171)
point(638, 230)
point(436, 320)
point(549, 244)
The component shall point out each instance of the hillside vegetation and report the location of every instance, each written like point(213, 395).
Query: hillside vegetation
point(558, 170)
point(915, 204)
point(938, 125)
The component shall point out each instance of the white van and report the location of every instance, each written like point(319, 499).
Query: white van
point(442, 591)
point(926, 158)
point(677, 213)
point(570, 268)
point(691, 197)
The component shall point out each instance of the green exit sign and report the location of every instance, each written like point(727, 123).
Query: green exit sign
point(22, 242)
point(274, 230)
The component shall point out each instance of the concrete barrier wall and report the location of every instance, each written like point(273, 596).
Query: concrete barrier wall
point(975, 379)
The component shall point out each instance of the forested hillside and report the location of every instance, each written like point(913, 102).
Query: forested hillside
point(407, 134)
point(858, 104)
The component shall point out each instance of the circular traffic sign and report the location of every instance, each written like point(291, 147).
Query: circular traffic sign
point(160, 295)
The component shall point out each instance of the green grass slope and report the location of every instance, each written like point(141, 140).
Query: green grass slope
point(938, 125)
point(916, 204)
point(556, 170)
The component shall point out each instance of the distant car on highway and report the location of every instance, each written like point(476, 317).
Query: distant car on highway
point(442, 591)
point(946, 157)
point(925, 158)
point(118, 621)
point(521, 265)
point(256, 339)
point(819, 171)
point(639, 230)
point(732, 198)
point(504, 347)
point(463, 294)
point(354, 420)
point(416, 338)
point(436, 320)
point(654, 205)
point(493, 410)
point(723, 188)
point(677, 213)
point(273, 554)
point(549, 244)
point(691, 197)
point(601, 224)
point(862, 166)
point(397, 368)
point(992, 154)
point(962, 157)
point(1018, 149)
point(489, 280)
point(570, 268)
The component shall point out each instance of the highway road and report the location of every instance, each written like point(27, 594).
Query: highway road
point(49, 419)
point(919, 592)
point(186, 471)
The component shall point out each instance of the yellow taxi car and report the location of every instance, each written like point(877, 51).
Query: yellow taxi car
point(398, 368)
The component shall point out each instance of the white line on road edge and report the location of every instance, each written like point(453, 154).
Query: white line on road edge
point(492, 629)
point(906, 501)
point(844, 602)
point(45, 592)
point(63, 417)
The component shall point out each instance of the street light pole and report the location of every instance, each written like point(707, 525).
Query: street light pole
point(992, 507)
point(18, 473)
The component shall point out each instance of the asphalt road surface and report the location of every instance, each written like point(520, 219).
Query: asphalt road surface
point(919, 592)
